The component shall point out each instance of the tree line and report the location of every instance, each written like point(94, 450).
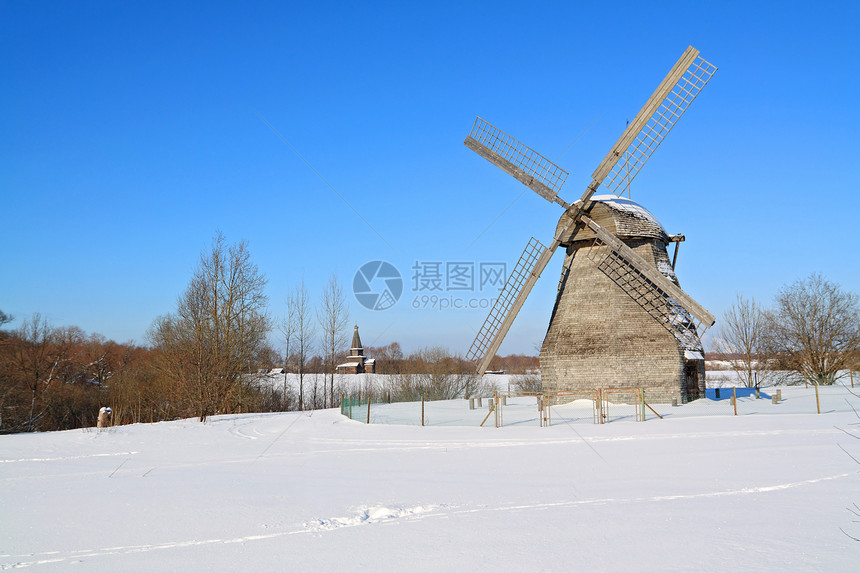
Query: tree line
point(197, 361)
point(810, 334)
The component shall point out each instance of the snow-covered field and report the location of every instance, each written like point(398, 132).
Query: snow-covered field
point(315, 491)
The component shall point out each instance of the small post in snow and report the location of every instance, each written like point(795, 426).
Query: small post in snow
point(104, 417)
point(735, 400)
point(817, 401)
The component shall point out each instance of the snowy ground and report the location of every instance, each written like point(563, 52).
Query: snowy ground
point(302, 491)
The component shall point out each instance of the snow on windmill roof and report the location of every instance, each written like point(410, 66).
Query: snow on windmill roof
point(628, 206)
point(622, 217)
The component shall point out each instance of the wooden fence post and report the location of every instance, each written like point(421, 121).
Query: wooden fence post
point(602, 413)
point(487, 416)
point(817, 402)
point(735, 400)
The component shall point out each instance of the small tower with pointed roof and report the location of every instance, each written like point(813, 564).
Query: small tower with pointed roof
point(357, 362)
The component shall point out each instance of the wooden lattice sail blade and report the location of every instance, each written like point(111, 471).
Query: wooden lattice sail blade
point(517, 159)
point(654, 121)
point(660, 297)
point(532, 262)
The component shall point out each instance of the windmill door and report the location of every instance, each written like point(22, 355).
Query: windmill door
point(692, 375)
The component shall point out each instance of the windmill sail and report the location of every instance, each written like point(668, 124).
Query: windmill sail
point(517, 159)
point(654, 121)
point(674, 309)
point(532, 262)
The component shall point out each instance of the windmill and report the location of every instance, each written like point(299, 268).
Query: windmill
point(620, 317)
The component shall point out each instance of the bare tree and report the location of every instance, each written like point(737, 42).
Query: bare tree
point(743, 340)
point(38, 353)
point(287, 328)
point(816, 327)
point(300, 332)
point(438, 375)
point(527, 383)
point(34, 360)
point(389, 358)
point(219, 327)
point(333, 317)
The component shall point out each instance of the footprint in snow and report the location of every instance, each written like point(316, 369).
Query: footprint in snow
point(368, 515)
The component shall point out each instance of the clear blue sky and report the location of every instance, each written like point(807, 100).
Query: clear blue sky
point(132, 131)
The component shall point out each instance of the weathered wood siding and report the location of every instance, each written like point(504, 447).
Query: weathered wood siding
point(599, 337)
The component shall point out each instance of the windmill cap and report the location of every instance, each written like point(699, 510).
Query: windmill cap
point(622, 217)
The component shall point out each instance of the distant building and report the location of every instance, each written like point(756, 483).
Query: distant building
point(357, 362)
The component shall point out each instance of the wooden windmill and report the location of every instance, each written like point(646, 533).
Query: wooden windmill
point(620, 317)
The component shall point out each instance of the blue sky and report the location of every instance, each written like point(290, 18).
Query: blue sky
point(132, 132)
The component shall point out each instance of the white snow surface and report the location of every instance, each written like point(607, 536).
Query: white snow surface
point(315, 491)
